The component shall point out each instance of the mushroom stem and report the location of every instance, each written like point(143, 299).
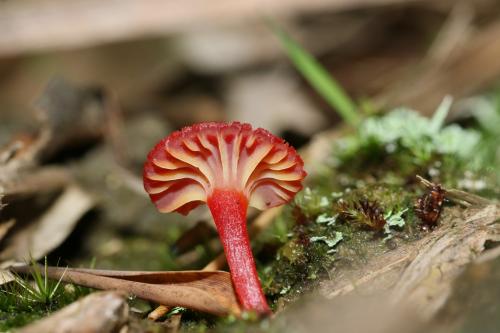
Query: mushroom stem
point(229, 208)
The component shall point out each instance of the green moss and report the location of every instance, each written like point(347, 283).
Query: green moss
point(314, 235)
point(363, 204)
point(19, 308)
point(33, 296)
point(394, 147)
point(197, 322)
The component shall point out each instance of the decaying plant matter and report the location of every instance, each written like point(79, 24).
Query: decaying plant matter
point(428, 207)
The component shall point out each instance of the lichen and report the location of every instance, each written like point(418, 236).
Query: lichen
point(394, 147)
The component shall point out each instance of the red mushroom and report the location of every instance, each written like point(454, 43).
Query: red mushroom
point(228, 166)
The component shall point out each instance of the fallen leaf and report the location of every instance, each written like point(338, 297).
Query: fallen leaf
point(5, 227)
point(66, 113)
point(210, 292)
point(5, 275)
point(50, 230)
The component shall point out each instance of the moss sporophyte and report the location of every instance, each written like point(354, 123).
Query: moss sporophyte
point(228, 166)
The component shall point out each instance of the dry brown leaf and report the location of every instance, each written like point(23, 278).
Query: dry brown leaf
point(38, 181)
point(210, 292)
point(5, 275)
point(102, 312)
point(67, 114)
point(51, 229)
point(5, 227)
point(21, 177)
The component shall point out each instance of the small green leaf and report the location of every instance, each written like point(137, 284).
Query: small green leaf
point(176, 310)
point(285, 290)
point(325, 218)
point(330, 242)
point(319, 78)
point(393, 220)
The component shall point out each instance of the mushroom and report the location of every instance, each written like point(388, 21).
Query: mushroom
point(228, 166)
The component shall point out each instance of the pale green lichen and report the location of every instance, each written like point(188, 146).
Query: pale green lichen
point(405, 130)
point(326, 218)
point(330, 242)
point(393, 220)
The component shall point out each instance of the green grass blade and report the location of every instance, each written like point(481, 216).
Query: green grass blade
point(441, 113)
point(319, 78)
point(32, 293)
point(46, 278)
point(37, 277)
point(54, 290)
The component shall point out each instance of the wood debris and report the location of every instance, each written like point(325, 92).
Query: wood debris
point(421, 273)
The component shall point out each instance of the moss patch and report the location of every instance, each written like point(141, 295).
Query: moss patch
point(18, 308)
point(363, 204)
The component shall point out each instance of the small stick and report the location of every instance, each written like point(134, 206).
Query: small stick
point(459, 196)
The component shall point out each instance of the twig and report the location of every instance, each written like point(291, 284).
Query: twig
point(159, 312)
point(460, 197)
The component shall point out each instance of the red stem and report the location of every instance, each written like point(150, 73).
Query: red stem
point(229, 210)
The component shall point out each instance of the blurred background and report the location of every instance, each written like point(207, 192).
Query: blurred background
point(195, 62)
point(87, 87)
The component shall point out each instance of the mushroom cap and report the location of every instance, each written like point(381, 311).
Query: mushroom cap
point(183, 169)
